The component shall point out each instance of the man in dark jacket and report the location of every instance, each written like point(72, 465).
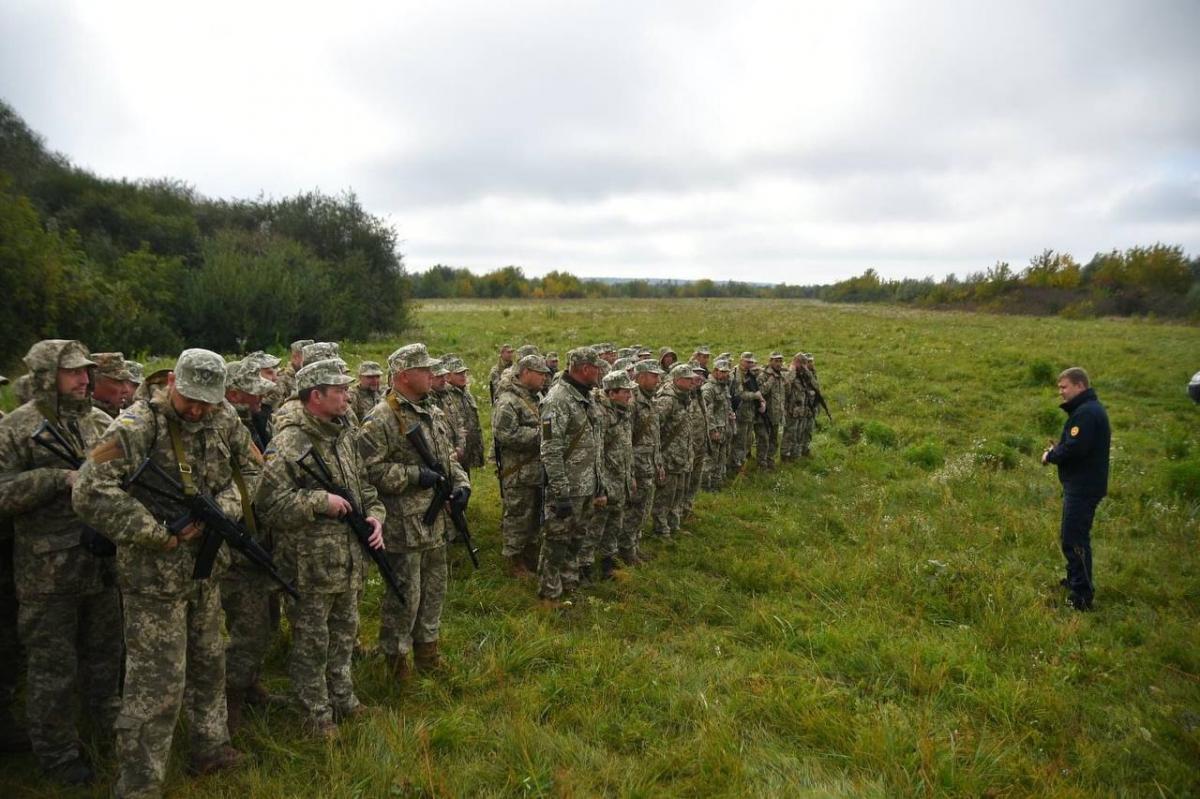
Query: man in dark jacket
point(1081, 456)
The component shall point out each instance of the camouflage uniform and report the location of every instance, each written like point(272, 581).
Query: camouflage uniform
point(701, 447)
point(570, 450)
point(671, 405)
point(715, 395)
point(417, 551)
point(516, 426)
point(768, 424)
point(616, 433)
point(69, 613)
point(795, 409)
point(647, 463)
point(363, 399)
point(468, 414)
point(747, 410)
point(172, 621)
point(112, 366)
point(317, 553)
point(451, 410)
point(496, 371)
point(13, 736)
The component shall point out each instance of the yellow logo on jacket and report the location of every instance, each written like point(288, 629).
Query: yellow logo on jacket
point(1074, 431)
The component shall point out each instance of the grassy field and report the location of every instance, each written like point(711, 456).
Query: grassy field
point(881, 620)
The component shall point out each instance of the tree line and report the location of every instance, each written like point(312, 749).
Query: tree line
point(151, 266)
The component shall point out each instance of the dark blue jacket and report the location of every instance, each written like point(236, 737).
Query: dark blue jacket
point(1081, 454)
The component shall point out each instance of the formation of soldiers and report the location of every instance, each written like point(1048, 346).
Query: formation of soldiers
point(156, 526)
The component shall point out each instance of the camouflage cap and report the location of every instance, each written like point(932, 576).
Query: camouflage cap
point(456, 365)
point(527, 349)
point(626, 352)
point(299, 344)
point(808, 357)
point(776, 356)
point(649, 365)
point(725, 355)
point(111, 365)
point(583, 356)
point(535, 362)
point(410, 356)
point(682, 371)
point(747, 356)
point(261, 360)
point(369, 369)
point(318, 351)
point(244, 376)
point(644, 352)
point(721, 365)
point(441, 366)
point(505, 347)
point(702, 351)
point(200, 376)
point(137, 372)
point(551, 356)
point(664, 350)
point(622, 363)
point(603, 347)
point(321, 373)
point(616, 380)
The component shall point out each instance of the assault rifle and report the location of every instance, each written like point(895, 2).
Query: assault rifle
point(821, 401)
point(50, 439)
point(218, 528)
point(316, 468)
point(441, 491)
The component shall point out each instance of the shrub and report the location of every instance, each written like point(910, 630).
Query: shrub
point(1021, 443)
point(1041, 372)
point(880, 434)
point(1183, 479)
point(1049, 420)
point(997, 455)
point(851, 433)
point(928, 455)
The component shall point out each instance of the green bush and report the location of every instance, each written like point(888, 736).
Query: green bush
point(997, 455)
point(928, 455)
point(1183, 479)
point(1041, 372)
point(1049, 420)
point(851, 433)
point(880, 435)
point(1021, 443)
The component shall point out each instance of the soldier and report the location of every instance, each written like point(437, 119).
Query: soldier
point(797, 409)
point(699, 361)
point(607, 352)
point(643, 353)
point(406, 485)
point(768, 423)
point(702, 443)
point(468, 413)
point(619, 483)
point(814, 389)
point(570, 450)
point(155, 381)
point(137, 376)
point(666, 358)
point(69, 612)
point(439, 393)
point(23, 389)
point(13, 736)
point(516, 427)
point(317, 549)
point(246, 592)
point(647, 459)
point(285, 381)
point(552, 365)
point(506, 360)
point(113, 387)
point(719, 415)
point(172, 621)
point(671, 405)
point(749, 403)
point(366, 393)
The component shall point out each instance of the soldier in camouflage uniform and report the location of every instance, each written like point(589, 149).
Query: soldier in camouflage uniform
point(570, 450)
point(516, 426)
point(172, 621)
point(155, 381)
point(440, 394)
point(246, 592)
point(316, 549)
point(672, 406)
point(13, 736)
point(367, 392)
point(506, 360)
point(468, 412)
point(702, 445)
point(113, 386)
point(137, 376)
point(406, 486)
point(552, 365)
point(69, 613)
point(715, 395)
point(285, 380)
point(802, 407)
point(768, 424)
point(616, 435)
point(750, 403)
point(648, 468)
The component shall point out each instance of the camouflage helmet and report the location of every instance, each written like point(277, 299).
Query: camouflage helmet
point(112, 366)
point(551, 356)
point(535, 362)
point(583, 356)
point(777, 356)
point(603, 347)
point(200, 375)
point(319, 351)
point(644, 352)
point(682, 371)
point(321, 373)
point(455, 365)
point(649, 365)
point(299, 344)
point(664, 351)
point(369, 369)
point(616, 380)
point(410, 356)
point(137, 372)
point(244, 376)
point(261, 360)
point(626, 352)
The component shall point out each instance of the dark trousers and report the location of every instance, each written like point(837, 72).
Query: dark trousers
point(1078, 512)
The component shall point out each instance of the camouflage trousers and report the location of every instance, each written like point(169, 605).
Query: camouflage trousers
point(173, 653)
point(668, 500)
point(558, 562)
point(716, 463)
point(246, 597)
point(695, 480)
point(797, 434)
point(12, 658)
point(324, 629)
point(766, 440)
point(423, 574)
point(519, 522)
point(637, 510)
point(742, 438)
point(73, 646)
point(603, 534)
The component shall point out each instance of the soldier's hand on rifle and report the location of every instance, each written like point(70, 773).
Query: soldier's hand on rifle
point(191, 531)
point(336, 507)
point(600, 501)
point(428, 478)
point(459, 498)
point(762, 406)
point(375, 540)
point(562, 507)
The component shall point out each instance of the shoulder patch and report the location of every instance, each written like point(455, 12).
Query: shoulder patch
point(547, 427)
point(108, 450)
point(1074, 431)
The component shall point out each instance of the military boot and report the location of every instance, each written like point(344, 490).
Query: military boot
point(399, 667)
point(530, 555)
point(629, 557)
point(76, 771)
point(426, 658)
point(585, 574)
point(607, 567)
point(235, 708)
point(221, 759)
point(515, 567)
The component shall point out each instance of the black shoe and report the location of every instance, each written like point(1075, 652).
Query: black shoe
point(607, 567)
point(74, 772)
point(1063, 583)
point(585, 574)
point(1080, 603)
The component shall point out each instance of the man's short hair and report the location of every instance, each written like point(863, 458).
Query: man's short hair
point(1076, 375)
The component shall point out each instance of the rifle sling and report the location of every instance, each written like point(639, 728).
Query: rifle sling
point(185, 469)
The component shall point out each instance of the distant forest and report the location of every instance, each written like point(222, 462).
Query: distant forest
point(151, 266)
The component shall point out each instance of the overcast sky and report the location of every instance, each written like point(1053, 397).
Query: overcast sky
point(790, 141)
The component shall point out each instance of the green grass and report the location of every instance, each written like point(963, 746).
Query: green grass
point(881, 620)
